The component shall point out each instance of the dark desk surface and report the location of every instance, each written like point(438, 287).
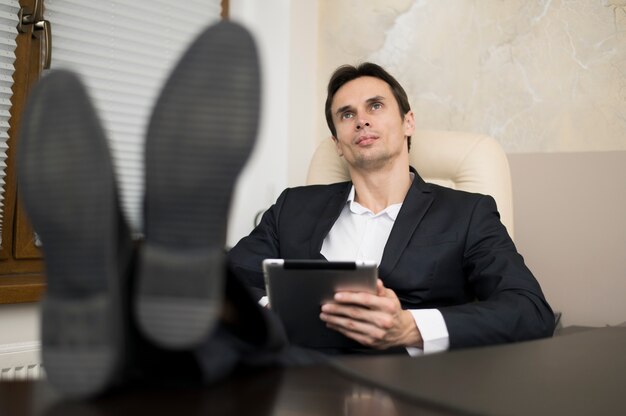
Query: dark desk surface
point(289, 392)
point(583, 373)
point(579, 374)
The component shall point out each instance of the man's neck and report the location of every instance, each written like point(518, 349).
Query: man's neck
point(376, 190)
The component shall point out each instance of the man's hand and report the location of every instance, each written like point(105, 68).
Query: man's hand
point(374, 320)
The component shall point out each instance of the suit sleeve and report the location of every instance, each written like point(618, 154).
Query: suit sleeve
point(246, 258)
point(509, 305)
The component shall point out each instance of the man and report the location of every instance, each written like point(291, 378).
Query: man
point(450, 276)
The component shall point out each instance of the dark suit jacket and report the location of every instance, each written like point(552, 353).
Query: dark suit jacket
point(447, 250)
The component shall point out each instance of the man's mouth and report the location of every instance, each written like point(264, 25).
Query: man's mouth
point(365, 140)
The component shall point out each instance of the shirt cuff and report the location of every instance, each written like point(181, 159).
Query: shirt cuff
point(433, 329)
point(264, 301)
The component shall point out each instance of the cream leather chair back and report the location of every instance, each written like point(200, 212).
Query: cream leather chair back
point(459, 160)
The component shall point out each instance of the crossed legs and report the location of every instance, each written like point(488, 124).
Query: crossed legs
point(114, 307)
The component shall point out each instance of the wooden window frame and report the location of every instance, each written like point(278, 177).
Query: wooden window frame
point(21, 266)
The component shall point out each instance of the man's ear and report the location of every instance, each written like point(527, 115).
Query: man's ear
point(337, 148)
point(409, 123)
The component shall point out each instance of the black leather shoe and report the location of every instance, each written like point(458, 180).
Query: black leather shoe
point(66, 182)
point(201, 133)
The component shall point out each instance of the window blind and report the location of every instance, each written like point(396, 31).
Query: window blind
point(8, 33)
point(124, 50)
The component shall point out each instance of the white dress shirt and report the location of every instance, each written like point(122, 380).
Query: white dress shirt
point(359, 234)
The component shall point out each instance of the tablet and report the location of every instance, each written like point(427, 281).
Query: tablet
point(297, 289)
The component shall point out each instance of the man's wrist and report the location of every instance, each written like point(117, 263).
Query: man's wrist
point(413, 336)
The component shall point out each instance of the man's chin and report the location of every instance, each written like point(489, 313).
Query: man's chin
point(370, 162)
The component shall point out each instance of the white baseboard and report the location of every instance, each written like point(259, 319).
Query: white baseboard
point(21, 361)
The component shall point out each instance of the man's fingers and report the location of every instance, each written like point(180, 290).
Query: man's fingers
point(363, 339)
point(375, 318)
point(367, 300)
point(360, 338)
point(347, 325)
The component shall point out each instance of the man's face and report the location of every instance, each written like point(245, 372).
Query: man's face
point(371, 133)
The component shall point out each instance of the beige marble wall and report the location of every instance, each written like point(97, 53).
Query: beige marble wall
point(539, 76)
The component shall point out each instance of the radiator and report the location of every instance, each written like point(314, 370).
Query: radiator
point(21, 361)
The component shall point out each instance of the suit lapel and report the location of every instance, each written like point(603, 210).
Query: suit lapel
point(414, 207)
point(327, 218)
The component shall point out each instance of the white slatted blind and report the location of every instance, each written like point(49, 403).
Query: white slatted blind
point(124, 51)
point(8, 32)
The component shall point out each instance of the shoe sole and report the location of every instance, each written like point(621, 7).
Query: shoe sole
point(67, 187)
point(200, 135)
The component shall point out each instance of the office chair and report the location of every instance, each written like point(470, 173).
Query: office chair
point(458, 160)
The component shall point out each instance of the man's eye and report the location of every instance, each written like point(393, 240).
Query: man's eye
point(376, 106)
point(345, 116)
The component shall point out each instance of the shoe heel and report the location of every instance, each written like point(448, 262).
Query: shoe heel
point(179, 294)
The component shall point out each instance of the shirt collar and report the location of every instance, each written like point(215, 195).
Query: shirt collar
point(391, 211)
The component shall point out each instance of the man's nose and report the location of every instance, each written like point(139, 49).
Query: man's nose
point(362, 123)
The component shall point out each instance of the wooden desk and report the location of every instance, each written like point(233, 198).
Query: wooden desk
point(583, 373)
point(579, 374)
point(288, 392)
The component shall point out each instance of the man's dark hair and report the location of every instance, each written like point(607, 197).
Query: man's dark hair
point(347, 73)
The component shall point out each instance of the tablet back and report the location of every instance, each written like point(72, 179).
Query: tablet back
point(298, 288)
